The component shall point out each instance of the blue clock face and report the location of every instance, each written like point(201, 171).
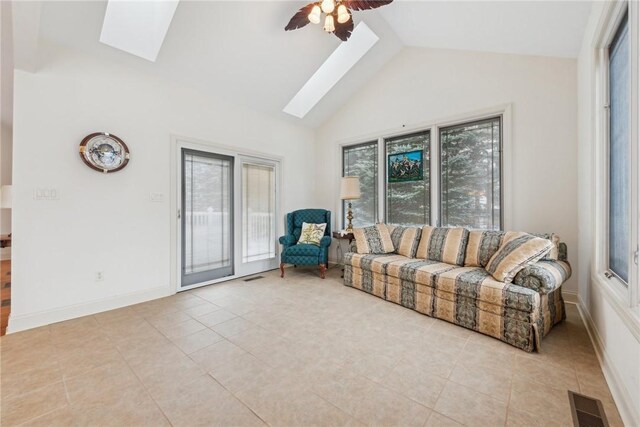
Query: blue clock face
point(104, 152)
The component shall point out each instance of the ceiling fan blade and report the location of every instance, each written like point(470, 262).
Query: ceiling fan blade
point(300, 19)
point(365, 4)
point(343, 31)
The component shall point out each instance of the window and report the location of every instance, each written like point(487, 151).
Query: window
point(407, 190)
point(470, 175)
point(467, 156)
point(619, 126)
point(362, 161)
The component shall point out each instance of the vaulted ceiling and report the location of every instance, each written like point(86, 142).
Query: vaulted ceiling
point(238, 50)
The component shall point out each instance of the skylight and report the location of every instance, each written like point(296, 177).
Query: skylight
point(137, 27)
point(332, 70)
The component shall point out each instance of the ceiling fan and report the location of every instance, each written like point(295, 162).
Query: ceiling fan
point(337, 15)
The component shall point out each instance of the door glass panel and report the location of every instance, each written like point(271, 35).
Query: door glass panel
point(207, 217)
point(258, 212)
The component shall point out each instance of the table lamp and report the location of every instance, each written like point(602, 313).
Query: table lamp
point(350, 190)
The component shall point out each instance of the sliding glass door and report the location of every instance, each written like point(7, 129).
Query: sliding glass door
point(228, 214)
point(258, 207)
point(207, 217)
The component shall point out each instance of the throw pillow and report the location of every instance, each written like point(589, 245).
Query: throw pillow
point(555, 249)
point(373, 240)
point(516, 252)
point(481, 247)
point(312, 233)
point(443, 244)
point(405, 240)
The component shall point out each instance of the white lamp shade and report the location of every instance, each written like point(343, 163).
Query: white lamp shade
point(5, 199)
point(350, 188)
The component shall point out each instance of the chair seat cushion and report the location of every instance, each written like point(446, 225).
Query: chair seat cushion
point(301, 249)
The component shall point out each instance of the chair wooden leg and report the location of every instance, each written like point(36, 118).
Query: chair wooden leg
point(281, 269)
point(323, 268)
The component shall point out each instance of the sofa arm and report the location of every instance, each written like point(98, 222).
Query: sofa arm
point(543, 276)
point(325, 242)
point(287, 240)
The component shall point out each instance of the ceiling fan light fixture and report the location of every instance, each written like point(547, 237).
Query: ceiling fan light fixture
point(314, 16)
point(343, 14)
point(328, 6)
point(329, 25)
point(335, 10)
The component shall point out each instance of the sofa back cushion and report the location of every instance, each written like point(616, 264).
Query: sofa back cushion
point(517, 250)
point(443, 244)
point(405, 239)
point(373, 240)
point(481, 247)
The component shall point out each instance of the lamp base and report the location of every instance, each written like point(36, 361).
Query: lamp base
point(349, 228)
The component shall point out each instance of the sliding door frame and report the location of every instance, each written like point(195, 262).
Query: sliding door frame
point(178, 142)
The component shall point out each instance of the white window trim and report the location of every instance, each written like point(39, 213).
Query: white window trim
point(434, 126)
point(624, 294)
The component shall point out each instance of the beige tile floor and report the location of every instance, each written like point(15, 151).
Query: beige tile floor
point(298, 351)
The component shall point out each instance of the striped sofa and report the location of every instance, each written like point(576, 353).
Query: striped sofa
point(519, 312)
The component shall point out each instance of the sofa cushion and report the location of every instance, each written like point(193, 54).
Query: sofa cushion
point(417, 270)
point(405, 239)
point(443, 244)
point(555, 249)
point(481, 247)
point(517, 250)
point(376, 263)
point(373, 240)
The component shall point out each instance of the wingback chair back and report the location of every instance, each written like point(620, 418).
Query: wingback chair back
point(310, 216)
point(305, 254)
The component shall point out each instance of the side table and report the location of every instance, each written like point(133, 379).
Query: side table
point(5, 240)
point(340, 238)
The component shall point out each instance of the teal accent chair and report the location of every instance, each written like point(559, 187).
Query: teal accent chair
point(302, 254)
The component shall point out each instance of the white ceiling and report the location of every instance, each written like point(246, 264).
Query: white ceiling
point(239, 51)
point(546, 28)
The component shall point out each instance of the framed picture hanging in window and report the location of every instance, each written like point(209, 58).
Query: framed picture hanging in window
point(403, 167)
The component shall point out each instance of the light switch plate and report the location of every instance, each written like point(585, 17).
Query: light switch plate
point(46, 194)
point(156, 197)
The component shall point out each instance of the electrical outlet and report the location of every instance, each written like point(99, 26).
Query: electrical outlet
point(99, 276)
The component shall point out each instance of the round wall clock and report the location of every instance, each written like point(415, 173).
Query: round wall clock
point(104, 152)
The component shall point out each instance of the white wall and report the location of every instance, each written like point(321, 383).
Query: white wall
point(615, 336)
point(6, 113)
point(107, 222)
point(426, 85)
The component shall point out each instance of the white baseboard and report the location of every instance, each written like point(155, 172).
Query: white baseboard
point(621, 396)
point(570, 296)
point(33, 320)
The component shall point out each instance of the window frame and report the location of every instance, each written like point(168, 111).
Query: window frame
point(504, 111)
point(343, 203)
point(628, 294)
point(385, 141)
point(501, 166)
point(609, 272)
